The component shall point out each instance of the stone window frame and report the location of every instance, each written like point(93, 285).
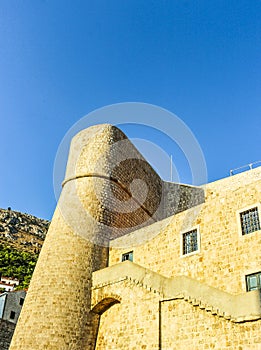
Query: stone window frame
point(127, 253)
point(241, 210)
point(196, 227)
point(256, 272)
point(247, 272)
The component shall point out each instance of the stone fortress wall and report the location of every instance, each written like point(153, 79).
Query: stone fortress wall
point(164, 299)
point(224, 254)
point(212, 309)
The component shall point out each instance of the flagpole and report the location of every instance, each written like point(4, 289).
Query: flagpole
point(171, 167)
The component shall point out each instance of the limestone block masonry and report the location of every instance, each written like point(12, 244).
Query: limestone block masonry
point(82, 296)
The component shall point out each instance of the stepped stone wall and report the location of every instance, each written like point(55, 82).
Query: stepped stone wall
point(193, 328)
point(225, 256)
point(108, 191)
point(82, 297)
point(171, 313)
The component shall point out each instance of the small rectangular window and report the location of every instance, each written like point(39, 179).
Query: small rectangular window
point(190, 242)
point(12, 315)
point(21, 301)
point(127, 256)
point(249, 220)
point(253, 281)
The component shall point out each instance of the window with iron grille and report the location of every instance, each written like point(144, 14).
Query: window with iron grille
point(190, 242)
point(249, 220)
point(253, 281)
point(127, 256)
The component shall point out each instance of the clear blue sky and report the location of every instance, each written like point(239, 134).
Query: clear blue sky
point(59, 60)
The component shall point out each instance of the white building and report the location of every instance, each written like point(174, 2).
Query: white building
point(8, 283)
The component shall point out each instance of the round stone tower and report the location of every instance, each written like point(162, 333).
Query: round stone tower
point(109, 190)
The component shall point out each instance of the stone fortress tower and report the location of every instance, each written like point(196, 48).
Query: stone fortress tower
point(111, 201)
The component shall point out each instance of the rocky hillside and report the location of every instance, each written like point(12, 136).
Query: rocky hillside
point(22, 231)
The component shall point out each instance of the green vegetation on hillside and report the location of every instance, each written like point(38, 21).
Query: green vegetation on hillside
point(18, 264)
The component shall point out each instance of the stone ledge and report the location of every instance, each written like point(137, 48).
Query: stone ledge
point(236, 308)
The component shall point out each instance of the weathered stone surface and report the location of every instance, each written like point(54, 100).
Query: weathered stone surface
point(72, 305)
point(224, 259)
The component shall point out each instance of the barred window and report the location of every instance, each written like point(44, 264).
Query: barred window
point(190, 241)
point(127, 256)
point(253, 281)
point(249, 221)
